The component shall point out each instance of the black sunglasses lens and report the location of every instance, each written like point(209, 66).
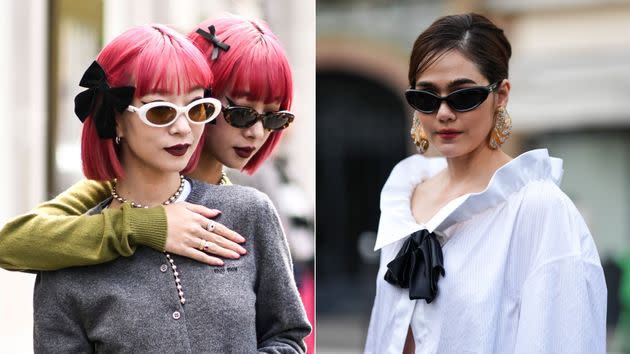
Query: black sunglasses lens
point(240, 117)
point(422, 101)
point(467, 99)
point(277, 120)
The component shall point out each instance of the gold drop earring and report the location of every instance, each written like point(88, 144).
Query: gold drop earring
point(418, 136)
point(502, 128)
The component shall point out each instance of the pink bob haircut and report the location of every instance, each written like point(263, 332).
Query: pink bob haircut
point(153, 59)
point(255, 63)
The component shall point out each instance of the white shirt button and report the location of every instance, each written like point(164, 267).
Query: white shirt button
point(176, 315)
point(163, 268)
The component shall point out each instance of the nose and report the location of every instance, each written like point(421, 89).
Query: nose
point(256, 131)
point(181, 125)
point(445, 113)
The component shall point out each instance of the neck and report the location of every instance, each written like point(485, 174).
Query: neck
point(472, 171)
point(147, 187)
point(209, 170)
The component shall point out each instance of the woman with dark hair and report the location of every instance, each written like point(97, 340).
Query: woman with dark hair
point(480, 252)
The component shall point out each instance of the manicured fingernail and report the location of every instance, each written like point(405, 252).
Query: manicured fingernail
point(235, 255)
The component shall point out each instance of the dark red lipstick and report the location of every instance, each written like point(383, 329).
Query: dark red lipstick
point(244, 152)
point(177, 150)
point(448, 134)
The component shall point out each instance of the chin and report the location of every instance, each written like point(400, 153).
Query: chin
point(450, 151)
point(236, 165)
point(175, 166)
point(177, 169)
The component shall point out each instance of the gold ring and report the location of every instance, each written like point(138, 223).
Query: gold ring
point(201, 244)
point(206, 245)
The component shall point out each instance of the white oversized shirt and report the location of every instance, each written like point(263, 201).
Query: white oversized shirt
point(522, 271)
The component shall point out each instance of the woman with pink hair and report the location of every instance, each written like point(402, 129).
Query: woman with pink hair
point(237, 49)
point(254, 83)
point(59, 234)
point(144, 110)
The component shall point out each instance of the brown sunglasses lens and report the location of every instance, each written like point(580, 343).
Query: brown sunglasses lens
point(161, 115)
point(201, 112)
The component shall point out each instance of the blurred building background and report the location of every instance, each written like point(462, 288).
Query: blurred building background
point(570, 74)
point(46, 47)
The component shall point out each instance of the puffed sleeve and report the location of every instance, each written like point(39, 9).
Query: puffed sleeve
point(281, 322)
point(563, 298)
point(57, 234)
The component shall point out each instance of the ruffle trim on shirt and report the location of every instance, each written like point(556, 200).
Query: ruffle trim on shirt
point(397, 221)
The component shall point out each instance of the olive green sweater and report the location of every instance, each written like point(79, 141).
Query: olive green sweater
point(58, 234)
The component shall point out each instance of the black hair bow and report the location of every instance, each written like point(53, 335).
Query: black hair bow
point(101, 101)
point(418, 266)
point(214, 40)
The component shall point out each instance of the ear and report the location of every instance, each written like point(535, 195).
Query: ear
point(503, 94)
point(119, 125)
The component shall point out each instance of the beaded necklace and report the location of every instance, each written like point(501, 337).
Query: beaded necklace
point(171, 199)
point(180, 290)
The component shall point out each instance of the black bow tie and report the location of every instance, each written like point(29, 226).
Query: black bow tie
point(418, 266)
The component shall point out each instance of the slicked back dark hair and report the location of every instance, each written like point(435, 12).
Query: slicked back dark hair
point(473, 35)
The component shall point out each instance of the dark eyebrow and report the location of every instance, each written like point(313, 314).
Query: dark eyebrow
point(161, 100)
point(425, 85)
point(451, 85)
point(459, 82)
point(151, 101)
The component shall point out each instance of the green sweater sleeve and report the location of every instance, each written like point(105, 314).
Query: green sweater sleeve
point(58, 234)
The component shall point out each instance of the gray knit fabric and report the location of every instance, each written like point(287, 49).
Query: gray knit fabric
point(131, 305)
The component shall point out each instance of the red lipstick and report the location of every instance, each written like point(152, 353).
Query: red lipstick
point(448, 134)
point(244, 152)
point(177, 150)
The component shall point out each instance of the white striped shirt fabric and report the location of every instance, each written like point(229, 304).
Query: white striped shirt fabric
point(522, 270)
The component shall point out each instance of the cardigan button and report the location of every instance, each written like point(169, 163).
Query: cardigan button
point(163, 268)
point(176, 315)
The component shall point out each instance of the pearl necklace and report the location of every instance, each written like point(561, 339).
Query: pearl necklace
point(171, 199)
point(137, 205)
point(178, 285)
point(224, 179)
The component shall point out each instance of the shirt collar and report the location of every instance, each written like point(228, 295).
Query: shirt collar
point(397, 220)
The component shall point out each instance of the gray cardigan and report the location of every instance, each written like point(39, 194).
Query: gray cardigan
point(131, 305)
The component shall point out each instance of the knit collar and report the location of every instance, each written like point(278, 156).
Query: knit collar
point(397, 220)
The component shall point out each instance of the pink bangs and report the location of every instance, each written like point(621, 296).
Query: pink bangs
point(154, 59)
point(170, 67)
point(255, 66)
point(260, 70)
